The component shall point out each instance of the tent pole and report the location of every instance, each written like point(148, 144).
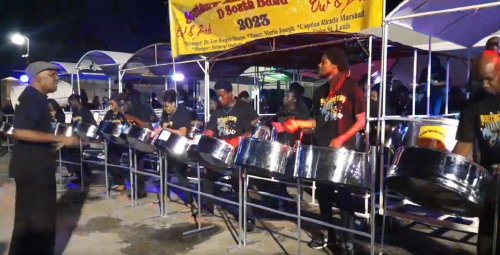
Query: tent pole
point(368, 91)
point(207, 91)
point(447, 86)
point(78, 80)
point(429, 72)
point(414, 81)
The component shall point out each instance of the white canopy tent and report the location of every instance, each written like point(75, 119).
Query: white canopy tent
point(106, 63)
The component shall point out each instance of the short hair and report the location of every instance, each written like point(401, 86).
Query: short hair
point(75, 97)
point(225, 85)
point(492, 43)
point(170, 96)
point(297, 88)
point(121, 97)
point(243, 94)
point(295, 93)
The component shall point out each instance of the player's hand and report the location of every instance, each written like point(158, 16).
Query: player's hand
point(291, 126)
point(66, 141)
point(337, 142)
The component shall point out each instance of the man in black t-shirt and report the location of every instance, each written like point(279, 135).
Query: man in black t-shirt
point(143, 116)
point(480, 124)
point(231, 122)
point(115, 151)
point(80, 114)
point(339, 114)
point(33, 164)
point(176, 118)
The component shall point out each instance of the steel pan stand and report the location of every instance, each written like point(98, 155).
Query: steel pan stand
point(131, 161)
point(106, 178)
point(199, 228)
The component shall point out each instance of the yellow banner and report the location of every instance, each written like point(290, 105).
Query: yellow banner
point(201, 26)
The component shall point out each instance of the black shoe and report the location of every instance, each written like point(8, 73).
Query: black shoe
point(250, 226)
point(204, 212)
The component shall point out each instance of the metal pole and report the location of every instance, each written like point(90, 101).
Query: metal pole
point(173, 68)
point(198, 215)
point(78, 81)
point(106, 168)
point(244, 206)
point(81, 166)
point(242, 226)
point(429, 71)
point(131, 165)
point(368, 91)
point(414, 81)
point(60, 167)
point(381, 121)
point(207, 91)
point(109, 88)
point(120, 77)
point(162, 184)
point(447, 91)
point(468, 66)
point(373, 165)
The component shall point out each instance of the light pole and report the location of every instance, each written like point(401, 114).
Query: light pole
point(19, 40)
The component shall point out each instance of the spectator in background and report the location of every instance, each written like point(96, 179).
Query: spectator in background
point(56, 111)
point(438, 84)
point(84, 98)
point(300, 91)
point(154, 101)
point(243, 95)
point(105, 103)
point(457, 100)
point(96, 105)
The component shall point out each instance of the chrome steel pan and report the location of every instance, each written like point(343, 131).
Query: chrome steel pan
point(176, 146)
point(263, 157)
point(114, 133)
point(141, 139)
point(6, 128)
point(86, 132)
point(212, 153)
point(438, 180)
point(63, 129)
point(333, 166)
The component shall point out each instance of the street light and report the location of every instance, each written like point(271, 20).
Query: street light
point(19, 40)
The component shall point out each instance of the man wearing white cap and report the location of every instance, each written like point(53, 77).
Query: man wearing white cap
point(33, 164)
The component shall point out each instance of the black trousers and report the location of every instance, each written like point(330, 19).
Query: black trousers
point(114, 155)
point(179, 169)
point(487, 220)
point(208, 186)
point(327, 196)
point(35, 219)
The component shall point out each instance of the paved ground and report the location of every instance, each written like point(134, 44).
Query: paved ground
point(90, 223)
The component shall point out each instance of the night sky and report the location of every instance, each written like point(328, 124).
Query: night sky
point(63, 30)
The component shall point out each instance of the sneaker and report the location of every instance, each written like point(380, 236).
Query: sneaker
point(250, 226)
point(319, 242)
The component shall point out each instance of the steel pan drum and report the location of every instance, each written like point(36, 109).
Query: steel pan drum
point(114, 133)
point(63, 129)
point(438, 180)
point(141, 139)
point(174, 145)
point(6, 128)
point(424, 133)
point(333, 166)
point(86, 132)
point(212, 153)
point(263, 157)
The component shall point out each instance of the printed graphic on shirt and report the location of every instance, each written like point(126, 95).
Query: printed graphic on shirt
point(331, 108)
point(490, 128)
point(168, 124)
point(226, 125)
